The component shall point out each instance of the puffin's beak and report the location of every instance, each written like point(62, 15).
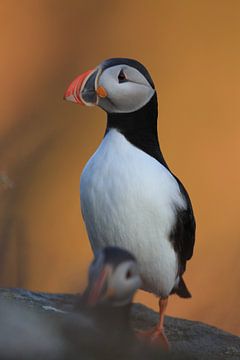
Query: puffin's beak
point(97, 291)
point(80, 87)
point(84, 90)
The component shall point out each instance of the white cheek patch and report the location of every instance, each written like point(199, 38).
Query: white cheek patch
point(127, 96)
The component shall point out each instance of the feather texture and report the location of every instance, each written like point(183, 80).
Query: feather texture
point(129, 199)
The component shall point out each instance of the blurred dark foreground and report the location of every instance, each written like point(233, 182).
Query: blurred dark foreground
point(44, 326)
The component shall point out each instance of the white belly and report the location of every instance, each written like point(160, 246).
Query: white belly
point(128, 200)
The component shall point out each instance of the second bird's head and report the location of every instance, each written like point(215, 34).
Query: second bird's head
point(113, 278)
point(117, 85)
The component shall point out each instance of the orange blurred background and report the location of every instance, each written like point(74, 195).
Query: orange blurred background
point(192, 50)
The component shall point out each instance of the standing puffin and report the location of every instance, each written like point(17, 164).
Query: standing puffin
point(129, 196)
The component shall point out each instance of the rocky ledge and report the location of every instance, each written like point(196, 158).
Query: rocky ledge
point(37, 325)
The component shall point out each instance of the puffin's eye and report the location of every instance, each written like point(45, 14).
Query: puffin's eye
point(128, 274)
point(121, 77)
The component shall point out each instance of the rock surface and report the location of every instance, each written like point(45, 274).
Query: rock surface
point(39, 312)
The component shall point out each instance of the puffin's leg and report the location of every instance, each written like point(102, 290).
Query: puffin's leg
point(157, 335)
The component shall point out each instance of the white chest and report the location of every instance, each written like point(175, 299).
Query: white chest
point(128, 199)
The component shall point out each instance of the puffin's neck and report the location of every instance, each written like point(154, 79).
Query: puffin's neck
point(139, 128)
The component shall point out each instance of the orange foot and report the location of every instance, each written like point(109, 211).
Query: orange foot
point(155, 336)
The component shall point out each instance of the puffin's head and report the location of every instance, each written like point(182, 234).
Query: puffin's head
point(113, 278)
point(117, 85)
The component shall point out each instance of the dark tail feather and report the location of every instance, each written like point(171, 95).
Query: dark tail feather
point(182, 290)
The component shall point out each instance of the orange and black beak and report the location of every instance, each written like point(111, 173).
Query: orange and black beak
point(84, 89)
point(99, 288)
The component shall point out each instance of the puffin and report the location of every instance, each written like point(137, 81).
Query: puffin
point(100, 323)
point(129, 196)
point(113, 279)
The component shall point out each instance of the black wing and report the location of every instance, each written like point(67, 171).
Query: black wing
point(183, 234)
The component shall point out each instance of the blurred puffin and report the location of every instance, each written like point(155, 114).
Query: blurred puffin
point(129, 196)
point(113, 279)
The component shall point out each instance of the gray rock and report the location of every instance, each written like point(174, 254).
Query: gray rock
point(37, 325)
point(192, 337)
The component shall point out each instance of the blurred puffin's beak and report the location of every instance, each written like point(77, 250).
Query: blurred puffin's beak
point(84, 90)
point(97, 291)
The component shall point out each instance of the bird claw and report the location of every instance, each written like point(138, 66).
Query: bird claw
point(154, 336)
